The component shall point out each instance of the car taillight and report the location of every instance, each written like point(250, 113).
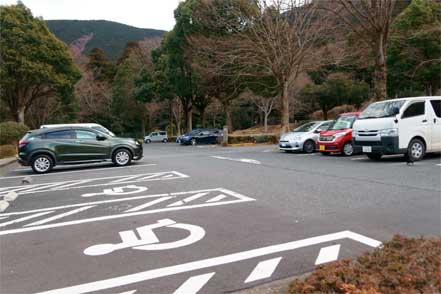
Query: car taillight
point(22, 143)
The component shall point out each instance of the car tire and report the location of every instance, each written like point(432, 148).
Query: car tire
point(374, 156)
point(193, 142)
point(309, 146)
point(42, 163)
point(348, 149)
point(148, 141)
point(415, 151)
point(164, 141)
point(122, 157)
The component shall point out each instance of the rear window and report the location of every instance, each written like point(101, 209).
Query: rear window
point(59, 135)
point(436, 105)
point(30, 137)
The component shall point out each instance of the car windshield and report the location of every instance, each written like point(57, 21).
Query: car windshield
point(343, 122)
point(381, 109)
point(306, 127)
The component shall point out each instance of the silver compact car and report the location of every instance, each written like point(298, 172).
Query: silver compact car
point(303, 138)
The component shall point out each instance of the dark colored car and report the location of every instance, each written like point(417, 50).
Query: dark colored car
point(201, 136)
point(42, 149)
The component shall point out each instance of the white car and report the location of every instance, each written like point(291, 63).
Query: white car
point(160, 136)
point(94, 126)
point(409, 126)
point(303, 138)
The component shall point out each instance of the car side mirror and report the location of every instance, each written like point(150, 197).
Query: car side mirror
point(101, 137)
point(318, 131)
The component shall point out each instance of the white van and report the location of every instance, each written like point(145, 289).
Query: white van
point(97, 127)
point(409, 126)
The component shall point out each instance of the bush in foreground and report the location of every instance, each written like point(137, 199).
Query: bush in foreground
point(401, 266)
point(7, 151)
point(11, 132)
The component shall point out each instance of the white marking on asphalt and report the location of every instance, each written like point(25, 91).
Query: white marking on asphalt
point(51, 187)
point(78, 171)
point(128, 292)
point(239, 199)
point(263, 270)
point(118, 191)
point(2, 217)
point(194, 284)
point(217, 198)
point(245, 160)
point(148, 204)
point(328, 254)
point(22, 219)
point(210, 262)
point(359, 158)
point(439, 164)
point(188, 199)
point(58, 216)
point(124, 179)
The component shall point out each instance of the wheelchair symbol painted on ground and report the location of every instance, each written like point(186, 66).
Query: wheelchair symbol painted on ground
point(147, 239)
point(125, 190)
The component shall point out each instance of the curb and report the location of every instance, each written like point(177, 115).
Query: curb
point(7, 161)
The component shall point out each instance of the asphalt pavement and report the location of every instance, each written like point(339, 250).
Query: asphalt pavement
point(205, 219)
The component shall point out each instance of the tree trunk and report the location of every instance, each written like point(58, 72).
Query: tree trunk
point(265, 122)
point(325, 113)
point(285, 108)
point(189, 119)
point(20, 115)
point(227, 109)
point(170, 117)
point(380, 72)
point(143, 121)
point(202, 114)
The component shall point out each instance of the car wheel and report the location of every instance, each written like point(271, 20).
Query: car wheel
point(148, 141)
point(416, 150)
point(309, 146)
point(164, 141)
point(122, 157)
point(42, 164)
point(374, 156)
point(193, 142)
point(348, 149)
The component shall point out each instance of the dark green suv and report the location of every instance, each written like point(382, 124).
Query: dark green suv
point(44, 148)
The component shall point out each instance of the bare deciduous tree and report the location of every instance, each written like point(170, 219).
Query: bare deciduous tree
point(264, 104)
point(263, 39)
point(370, 20)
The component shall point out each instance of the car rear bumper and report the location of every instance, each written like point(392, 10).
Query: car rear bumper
point(22, 161)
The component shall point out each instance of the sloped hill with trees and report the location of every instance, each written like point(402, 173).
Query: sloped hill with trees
point(110, 36)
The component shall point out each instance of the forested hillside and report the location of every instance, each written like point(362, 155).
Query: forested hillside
point(110, 36)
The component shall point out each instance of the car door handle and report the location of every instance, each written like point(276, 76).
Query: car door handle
point(424, 120)
point(434, 120)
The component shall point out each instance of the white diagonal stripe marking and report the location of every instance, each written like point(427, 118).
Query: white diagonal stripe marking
point(22, 219)
point(217, 198)
point(148, 204)
point(188, 199)
point(194, 284)
point(328, 254)
point(263, 270)
point(58, 216)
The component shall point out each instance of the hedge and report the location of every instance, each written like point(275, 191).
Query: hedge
point(232, 139)
point(402, 266)
point(7, 151)
point(11, 132)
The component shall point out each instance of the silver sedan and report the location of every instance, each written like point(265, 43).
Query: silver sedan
point(303, 138)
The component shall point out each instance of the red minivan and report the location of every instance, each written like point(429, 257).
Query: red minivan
point(338, 138)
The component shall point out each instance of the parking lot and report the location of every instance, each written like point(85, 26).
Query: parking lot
point(205, 219)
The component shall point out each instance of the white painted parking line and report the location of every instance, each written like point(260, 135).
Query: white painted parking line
point(55, 172)
point(148, 204)
point(245, 160)
point(101, 208)
point(58, 216)
point(188, 199)
point(328, 254)
point(106, 181)
point(263, 270)
point(128, 292)
point(194, 284)
point(25, 218)
point(210, 262)
point(217, 198)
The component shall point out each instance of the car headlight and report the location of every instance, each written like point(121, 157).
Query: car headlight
point(338, 135)
point(137, 143)
point(389, 133)
point(354, 133)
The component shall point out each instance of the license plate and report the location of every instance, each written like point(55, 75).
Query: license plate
point(322, 147)
point(367, 149)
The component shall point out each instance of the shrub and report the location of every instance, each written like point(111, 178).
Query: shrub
point(401, 266)
point(7, 151)
point(252, 139)
point(11, 132)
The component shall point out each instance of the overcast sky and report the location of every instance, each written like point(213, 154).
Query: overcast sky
point(152, 14)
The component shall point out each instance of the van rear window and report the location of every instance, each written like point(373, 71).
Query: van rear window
point(436, 105)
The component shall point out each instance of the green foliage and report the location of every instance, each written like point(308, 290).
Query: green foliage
point(401, 266)
point(112, 37)
point(415, 50)
point(337, 89)
point(11, 132)
point(33, 62)
point(144, 87)
point(100, 66)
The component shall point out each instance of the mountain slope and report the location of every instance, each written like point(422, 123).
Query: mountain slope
point(110, 36)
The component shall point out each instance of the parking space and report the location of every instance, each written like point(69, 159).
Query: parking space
point(205, 220)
